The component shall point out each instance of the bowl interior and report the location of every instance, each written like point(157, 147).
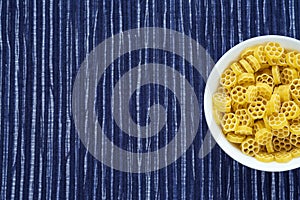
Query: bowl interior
point(211, 86)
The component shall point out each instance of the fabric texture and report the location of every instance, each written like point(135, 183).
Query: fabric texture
point(42, 45)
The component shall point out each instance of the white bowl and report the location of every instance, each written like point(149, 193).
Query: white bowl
point(211, 86)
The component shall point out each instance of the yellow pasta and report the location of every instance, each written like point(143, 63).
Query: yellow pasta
point(273, 50)
point(288, 75)
point(264, 157)
point(222, 102)
point(261, 99)
point(297, 61)
point(282, 144)
point(238, 94)
point(282, 60)
point(295, 152)
point(246, 78)
point(295, 139)
point(229, 122)
point(260, 54)
point(257, 110)
point(295, 127)
point(264, 71)
point(253, 62)
point(250, 146)
point(277, 120)
point(284, 93)
point(234, 138)
point(236, 68)
point(290, 58)
point(290, 109)
point(282, 132)
point(265, 78)
point(276, 74)
point(258, 124)
point(245, 64)
point(283, 156)
point(224, 90)
point(263, 136)
point(247, 52)
point(244, 130)
point(264, 90)
point(243, 117)
point(294, 88)
point(257, 103)
point(273, 105)
point(217, 116)
point(228, 78)
point(270, 147)
point(251, 93)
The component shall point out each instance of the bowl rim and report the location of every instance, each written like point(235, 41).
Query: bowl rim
point(216, 131)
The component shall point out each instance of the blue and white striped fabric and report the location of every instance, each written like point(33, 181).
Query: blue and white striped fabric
point(42, 45)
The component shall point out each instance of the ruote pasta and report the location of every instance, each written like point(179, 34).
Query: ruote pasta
point(257, 103)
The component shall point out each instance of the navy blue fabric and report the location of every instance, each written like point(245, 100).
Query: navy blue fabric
point(42, 45)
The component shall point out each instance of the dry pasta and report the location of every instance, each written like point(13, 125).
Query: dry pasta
point(257, 103)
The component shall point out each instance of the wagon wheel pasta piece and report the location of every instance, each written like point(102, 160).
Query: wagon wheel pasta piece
point(290, 58)
point(246, 78)
point(251, 93)
point(284, 93)
point(277, 120)
point(264, 90)
point(228, 78)
point(282, 132)
point(282, 144)
point(250, 146)
point(244, 130)
point(265, 78)
point(243, 117)
point(290, 109)
point(270, 147)
point(267, 123)
point(222, 102)
point(264, 157)
point(288, 75)
point(235, 106)
point(297, 120)
point(282, 60)
point(234, 138)
point(283, 156)
point(273, 106)
point(229, 122)
point(273, 50)
point(297, 61)
point(276, 75)
point(295, 139)
point(272, 61)
point(260, 54)
point(253, 62)
point(263, 136)
point(261, 99)
point(247, 52)
point(258, 124)
point(217, 116)
point(256, 110)
point(238, 94)
point(295, 128)
point(295, 152)
point(224, 90)
point(236, 68)
point(246, 65)
point(294, 88)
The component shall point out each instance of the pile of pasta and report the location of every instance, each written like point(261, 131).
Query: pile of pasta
point(257, 103)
